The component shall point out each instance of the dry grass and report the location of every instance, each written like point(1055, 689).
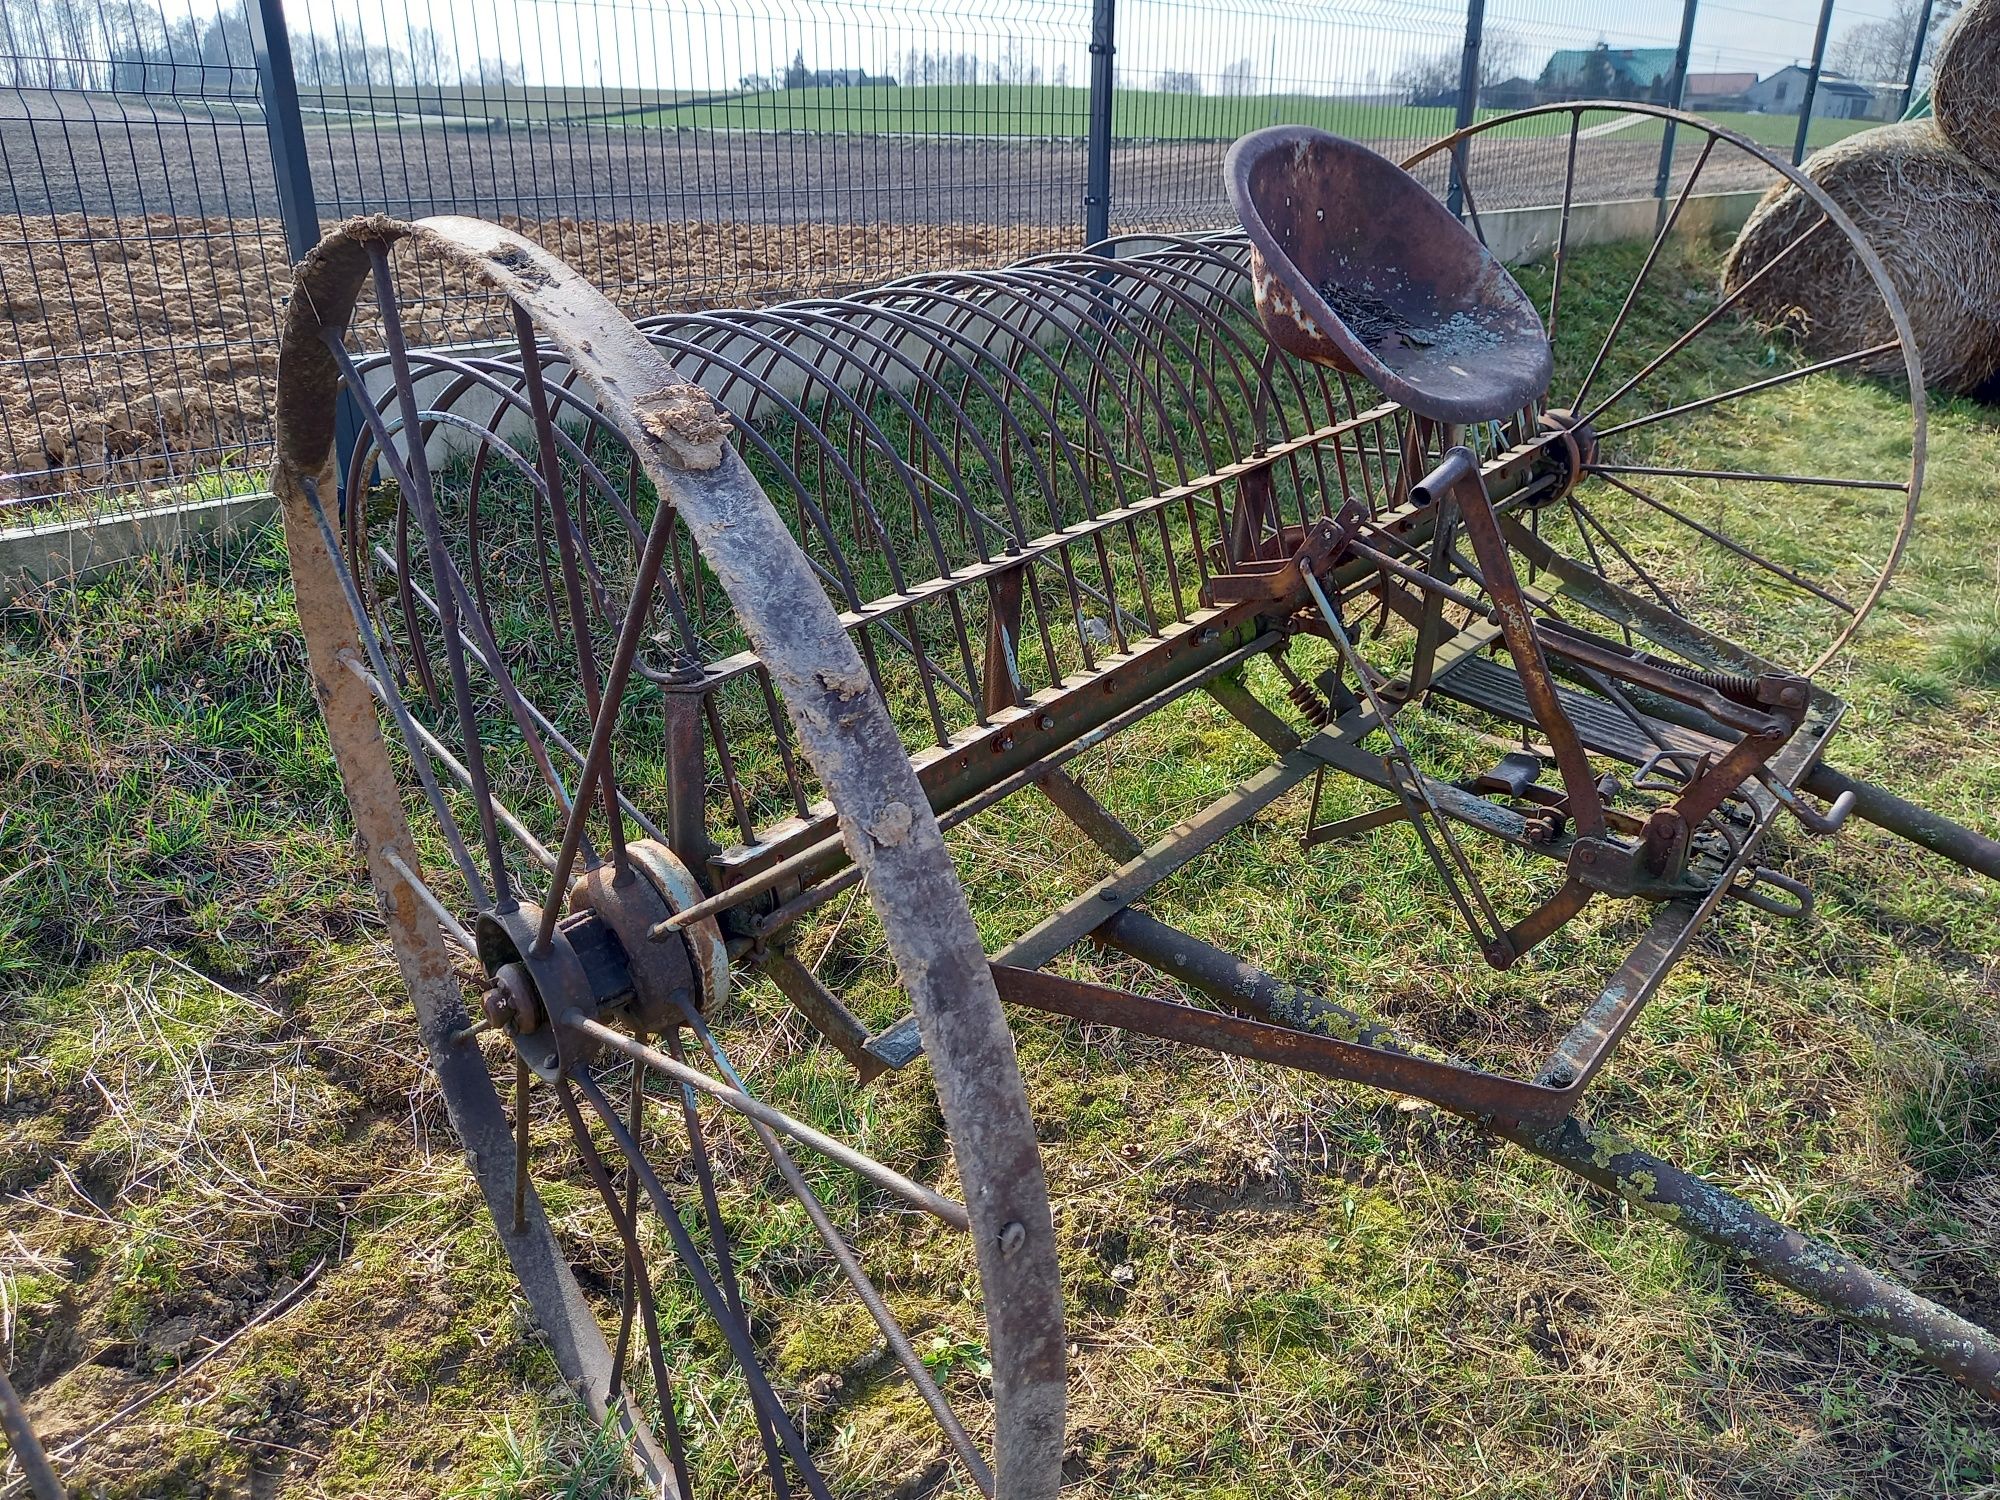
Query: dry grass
point(1965, 80)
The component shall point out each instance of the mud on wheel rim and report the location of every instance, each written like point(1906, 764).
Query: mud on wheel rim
point(618, 385)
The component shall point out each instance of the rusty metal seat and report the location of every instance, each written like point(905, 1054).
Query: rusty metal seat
point(1356, 265)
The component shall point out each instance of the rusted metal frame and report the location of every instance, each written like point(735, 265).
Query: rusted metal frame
point(1645, 269)
point(722, 671)
point(1706, 320)
point(830, 852)
point(734, 1332)
point(850, 1266)
point(1939, 834)
point(823, 856)
point(1835, 363)
point(1015, 738)
point(1180, 846)
point(829, 1016)
point(1655, 1187)
point(1246, 708)
point(1430, 630)
point(1003, 691)
point(1414, 790)
point(1459, 478)
point(725, 1253)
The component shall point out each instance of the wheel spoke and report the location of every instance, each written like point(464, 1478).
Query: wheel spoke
point(1561, 261)
point(850, 1265)
point(1638, 282)
point(725, 1254)
point(1837, 362)
point(1745, 477)
point(733, 1328)
point(1707, 320)
point(1747, 554)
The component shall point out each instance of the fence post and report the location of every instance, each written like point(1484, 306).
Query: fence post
point(1103, 77)
point(1812, 80)
point(1916, 56)
point(1676, 97)
point(1468, 98)
point(284, 125)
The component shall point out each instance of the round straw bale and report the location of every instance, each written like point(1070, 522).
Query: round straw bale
point(1965, 83)
point(1932, 216)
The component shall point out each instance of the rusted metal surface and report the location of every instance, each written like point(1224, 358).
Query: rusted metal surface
point(890, 559)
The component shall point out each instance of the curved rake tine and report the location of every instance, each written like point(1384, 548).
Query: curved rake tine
point(421, 497)
point(725, 1253)
point(733, 1330)
point(748, 1104)
point(406, 726)
point(850, 1266)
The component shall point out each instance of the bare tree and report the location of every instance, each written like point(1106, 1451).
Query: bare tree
point(1878, 52)
point(495, 72)
point(1239, 78)
point(1177, 83)
point(1427, 78)
point(431, 61)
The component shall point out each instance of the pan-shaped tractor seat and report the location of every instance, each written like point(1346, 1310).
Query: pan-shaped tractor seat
point(1356, 265)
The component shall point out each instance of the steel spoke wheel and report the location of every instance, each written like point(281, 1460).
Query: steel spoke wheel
point(1782, 543)
point(513, 624)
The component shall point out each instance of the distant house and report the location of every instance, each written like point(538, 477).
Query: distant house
point(1603, 72)
point(799, 76)
point(1837, 98)
point(1718, 90)
point(1508, 93)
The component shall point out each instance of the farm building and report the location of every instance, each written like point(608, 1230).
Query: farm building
point(1717, 90)
point(1837, 98)
point(1603, 72)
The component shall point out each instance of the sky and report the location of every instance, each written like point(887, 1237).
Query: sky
point(1316, 46)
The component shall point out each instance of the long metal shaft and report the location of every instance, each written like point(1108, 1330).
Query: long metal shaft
point(1830, 1277)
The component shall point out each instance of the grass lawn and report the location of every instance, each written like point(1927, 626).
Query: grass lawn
point(1137, 114)
point(1277, 1286)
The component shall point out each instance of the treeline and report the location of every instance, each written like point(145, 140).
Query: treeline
point(129, 47)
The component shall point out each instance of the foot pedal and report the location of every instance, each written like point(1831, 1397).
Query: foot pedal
point(897, 1047)
point(1514, 773)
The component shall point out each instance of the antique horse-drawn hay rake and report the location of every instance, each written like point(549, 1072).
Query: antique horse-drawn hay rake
point(639, 645)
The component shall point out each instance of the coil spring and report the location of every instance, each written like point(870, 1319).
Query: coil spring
point(1314, 709)
point(1732, 685)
